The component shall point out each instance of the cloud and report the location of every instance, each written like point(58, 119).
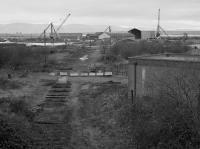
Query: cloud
point(117, 12)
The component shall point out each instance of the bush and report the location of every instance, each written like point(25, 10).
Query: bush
point(160, 124)
point(13, 136)
point(19, 56)
point(15, 130)
point(20, 107)
point(129, 48)
point(9, 84)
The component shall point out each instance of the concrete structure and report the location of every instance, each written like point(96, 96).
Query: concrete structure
point(148, 75)
point(144, 35)
point(116, 36)
point(121, 36)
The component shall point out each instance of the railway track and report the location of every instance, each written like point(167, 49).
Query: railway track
point(52, 120)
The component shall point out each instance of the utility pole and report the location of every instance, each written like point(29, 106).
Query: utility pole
point(158, 27)
point(45, 38)
point(110, 36)
point(52, 34)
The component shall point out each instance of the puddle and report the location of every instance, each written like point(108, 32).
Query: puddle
point(85, 57)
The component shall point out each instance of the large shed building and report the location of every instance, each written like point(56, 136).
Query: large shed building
point(143, 35)
point(148, 75)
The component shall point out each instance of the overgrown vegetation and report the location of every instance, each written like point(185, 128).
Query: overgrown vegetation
point(162, 123)
point(9, 84)
point(15, 124)
point(18, 129)
point(130, 48)
point(170, 118)
point(17, 56)
point(109, 120)
point(14, 135)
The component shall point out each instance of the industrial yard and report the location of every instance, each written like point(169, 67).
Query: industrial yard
point(100, 75)
point(66, 100)
point(58, 120)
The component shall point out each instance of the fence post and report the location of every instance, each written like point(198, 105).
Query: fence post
point(198, 100)
point(132, 96)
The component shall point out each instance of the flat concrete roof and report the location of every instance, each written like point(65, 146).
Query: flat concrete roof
point(167, 60)
point(169, 57)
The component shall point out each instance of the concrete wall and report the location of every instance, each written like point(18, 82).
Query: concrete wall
point(155, 80)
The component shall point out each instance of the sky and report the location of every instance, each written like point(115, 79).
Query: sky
point(175, 14)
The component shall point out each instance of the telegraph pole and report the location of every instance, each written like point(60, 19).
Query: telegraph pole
point(158, 27)
point(45, 38)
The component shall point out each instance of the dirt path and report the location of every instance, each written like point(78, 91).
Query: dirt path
point(84, 135)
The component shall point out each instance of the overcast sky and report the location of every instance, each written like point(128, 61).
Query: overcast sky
point(175, 14)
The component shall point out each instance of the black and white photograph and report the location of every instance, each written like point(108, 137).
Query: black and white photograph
point(99, 74)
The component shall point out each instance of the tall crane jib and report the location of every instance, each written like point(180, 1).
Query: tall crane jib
point(63, 22)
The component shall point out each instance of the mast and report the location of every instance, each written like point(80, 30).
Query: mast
point(158, 26)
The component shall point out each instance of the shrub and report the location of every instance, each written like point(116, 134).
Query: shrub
point(13, 136)
point(20, 107)
point(19, 56)
point(127, 49)
point(161, 123)
point(9, 84)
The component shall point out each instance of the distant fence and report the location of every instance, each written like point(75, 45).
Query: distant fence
point(82, 74)
point(120, 69)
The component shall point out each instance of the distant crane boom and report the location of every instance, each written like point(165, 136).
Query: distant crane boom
point(164, 31)
point(41, 35)
point(63, 22)
point(108, 29)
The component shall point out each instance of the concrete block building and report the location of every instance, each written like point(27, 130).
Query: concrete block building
point(117, 36)
point(153, 74)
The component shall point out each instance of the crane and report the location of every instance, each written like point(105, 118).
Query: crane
point(159, 28)
point(63, 22)
point(54, 32)
point(108, 29)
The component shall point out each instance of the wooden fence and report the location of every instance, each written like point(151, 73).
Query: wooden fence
point(120, 69)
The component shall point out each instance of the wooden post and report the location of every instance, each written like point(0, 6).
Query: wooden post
point(132, 96)
point(198, 104)
point(135, 79)
point(45, 60)
point(44, 38)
